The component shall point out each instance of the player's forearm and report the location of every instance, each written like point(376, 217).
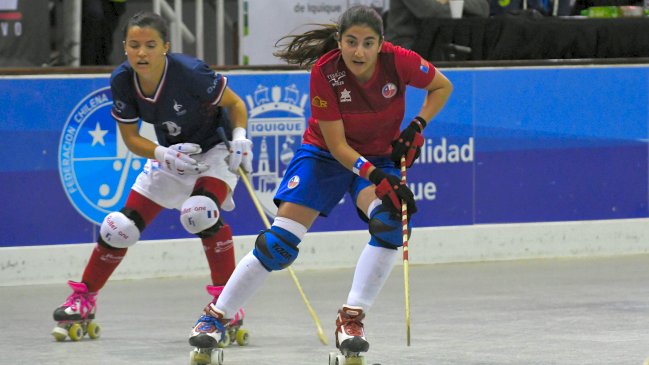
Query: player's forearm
point(344, 154)
point(141, 146)
point(238, 114)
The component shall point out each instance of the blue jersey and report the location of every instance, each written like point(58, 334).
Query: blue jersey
point(184, 108)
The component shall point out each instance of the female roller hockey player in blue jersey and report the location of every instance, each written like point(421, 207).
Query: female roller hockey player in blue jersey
point(189, 169)
point(352, 143)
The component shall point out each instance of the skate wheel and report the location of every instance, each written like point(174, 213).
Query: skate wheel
point(94, 331)
point(332, 358)
point(216, 357)
point(206, 357)
point(75, 332)
point(195, 356)
point(341, 360)
point(59, 333)
point(242, 337)
point(225, 342)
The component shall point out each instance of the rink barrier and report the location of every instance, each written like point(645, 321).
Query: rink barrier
point(335, 250)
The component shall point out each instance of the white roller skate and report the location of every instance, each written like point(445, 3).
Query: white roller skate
point(234, 332)
point(75, 317)
point(350, 337)
point(212, 332)
point(207, 334)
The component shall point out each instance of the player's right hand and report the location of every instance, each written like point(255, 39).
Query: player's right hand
point(408, 144)
point(392, 191)
point(175, 159)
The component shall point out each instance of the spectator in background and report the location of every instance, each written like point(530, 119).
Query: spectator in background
point(405, 16)
point(99, 19)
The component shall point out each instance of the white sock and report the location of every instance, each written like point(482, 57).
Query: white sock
point(372, 271)
point(246, 279)
point(250, 274)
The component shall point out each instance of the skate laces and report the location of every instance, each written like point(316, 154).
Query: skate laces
point(237, 317)
point(83, 303)
point(352, 327)
point(351, 324)
point(209, 324)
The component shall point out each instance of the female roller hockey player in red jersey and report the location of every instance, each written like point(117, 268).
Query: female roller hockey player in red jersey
point(189, 169)
point(353, 140)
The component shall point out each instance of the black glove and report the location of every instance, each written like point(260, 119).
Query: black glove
point(409, 143)
point(392, 192)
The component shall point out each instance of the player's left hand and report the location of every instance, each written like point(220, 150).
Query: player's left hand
point(408, 144)
point(240, 152)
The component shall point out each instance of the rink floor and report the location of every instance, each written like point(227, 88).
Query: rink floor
point(554, 311)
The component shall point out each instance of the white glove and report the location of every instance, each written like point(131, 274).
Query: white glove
point(240, 151)
point(175, 158)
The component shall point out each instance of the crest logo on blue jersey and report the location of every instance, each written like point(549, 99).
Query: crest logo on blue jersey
point(95, 166)
point(276, 124)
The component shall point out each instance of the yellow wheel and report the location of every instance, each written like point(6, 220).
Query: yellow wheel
point(355, 360)
point(75, 332)
point(94, 331)
point(242, 337)
point(226, 340)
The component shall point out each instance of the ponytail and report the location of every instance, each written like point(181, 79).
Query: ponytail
point(305, 49)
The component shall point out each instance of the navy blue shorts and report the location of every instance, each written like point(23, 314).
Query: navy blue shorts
point(315, 179)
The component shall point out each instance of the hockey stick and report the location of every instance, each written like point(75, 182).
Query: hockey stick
point(262, 214)
point(404, 224)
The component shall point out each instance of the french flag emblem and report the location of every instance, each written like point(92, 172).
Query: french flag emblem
point(424, 66)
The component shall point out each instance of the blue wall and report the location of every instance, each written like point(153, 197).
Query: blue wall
point(512, 145)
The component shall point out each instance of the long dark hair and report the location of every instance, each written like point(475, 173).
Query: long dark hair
point(305, 49)
point(144, 19)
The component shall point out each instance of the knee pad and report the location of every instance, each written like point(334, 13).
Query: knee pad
point(385, 230)
point(276, 248)
point(200, 215)
point(121, 229)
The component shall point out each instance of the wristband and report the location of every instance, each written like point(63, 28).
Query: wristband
point(238, 133)
point(361, 167)
point(421, 121)
point(376, 176)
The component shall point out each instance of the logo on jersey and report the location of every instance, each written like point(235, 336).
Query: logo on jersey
point(318, 102)
point(389, 90)
point(95, 166)
point(335, 79)
point(345, 96)
point(276, 124)
point(173, 129)
point(294, 182)
point(424, 67)
point(179, 108)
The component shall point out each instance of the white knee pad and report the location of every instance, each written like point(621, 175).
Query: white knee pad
point(118, 231)
point(199, 213)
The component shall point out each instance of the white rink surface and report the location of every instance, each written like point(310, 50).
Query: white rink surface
point(553, 311)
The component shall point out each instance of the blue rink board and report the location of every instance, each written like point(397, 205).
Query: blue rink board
point(511, 146)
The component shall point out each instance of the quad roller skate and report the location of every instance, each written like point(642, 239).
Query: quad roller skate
point(75, 317)
point(234, 332)
point(350, 337)
point(212, 332)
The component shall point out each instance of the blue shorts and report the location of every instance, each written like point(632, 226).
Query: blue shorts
point(315, 179)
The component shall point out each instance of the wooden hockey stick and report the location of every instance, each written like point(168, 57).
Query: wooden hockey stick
point(406, 278)
point(262, 214)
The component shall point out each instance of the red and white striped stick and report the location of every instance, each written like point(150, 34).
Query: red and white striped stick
point(404, 224)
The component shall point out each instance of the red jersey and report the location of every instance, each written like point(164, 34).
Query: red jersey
point(371, 112)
